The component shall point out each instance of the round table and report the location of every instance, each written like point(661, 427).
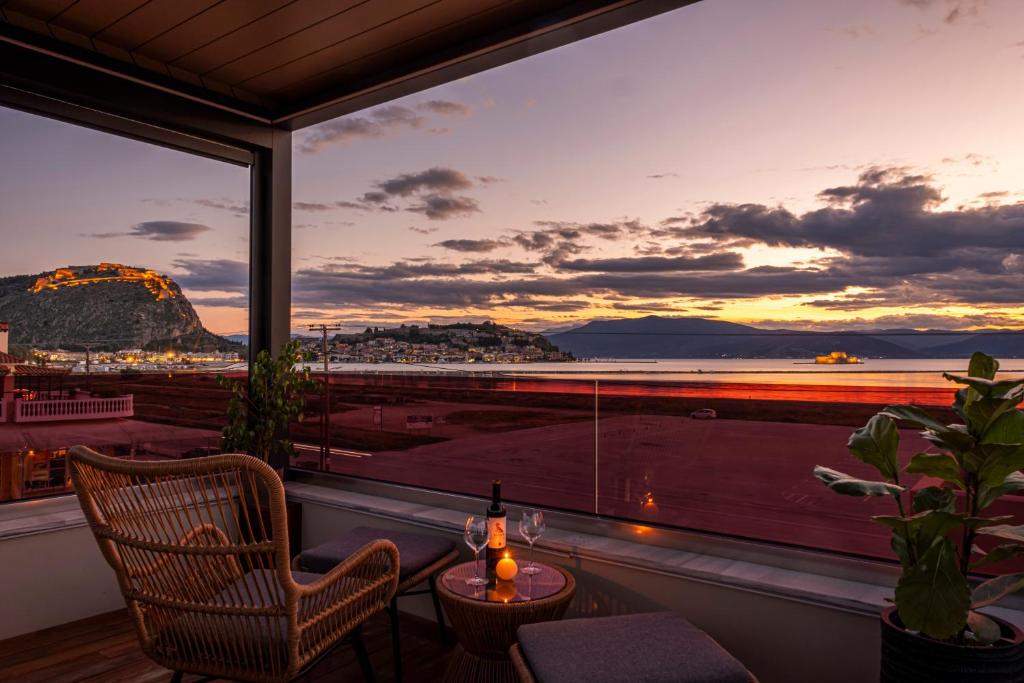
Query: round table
point(485, 618)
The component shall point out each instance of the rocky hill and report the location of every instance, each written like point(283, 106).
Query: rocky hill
point(658, 337)
point(108, 306)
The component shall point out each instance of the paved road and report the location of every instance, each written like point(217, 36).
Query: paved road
point(751, 479)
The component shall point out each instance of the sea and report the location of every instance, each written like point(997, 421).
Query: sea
point(884, 372)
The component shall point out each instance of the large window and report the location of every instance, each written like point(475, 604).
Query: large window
point(661, 273)
point(123, 295)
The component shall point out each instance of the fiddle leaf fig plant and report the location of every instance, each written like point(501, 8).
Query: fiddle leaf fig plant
point(935, 528)
point(261, 409)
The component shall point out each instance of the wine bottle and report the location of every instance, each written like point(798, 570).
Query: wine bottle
point(496, 526)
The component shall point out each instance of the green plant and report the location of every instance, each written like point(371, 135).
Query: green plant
point(935, 530)
point(261, 409)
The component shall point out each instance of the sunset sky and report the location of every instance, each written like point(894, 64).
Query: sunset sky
point(807, 163)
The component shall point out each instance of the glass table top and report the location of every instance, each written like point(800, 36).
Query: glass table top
point(523, 588)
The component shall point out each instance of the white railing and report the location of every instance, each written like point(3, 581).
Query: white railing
point(74, 409)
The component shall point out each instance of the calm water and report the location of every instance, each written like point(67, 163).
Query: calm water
point(872, 373)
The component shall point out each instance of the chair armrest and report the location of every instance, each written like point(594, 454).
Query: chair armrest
point(375, 560)
point(346, 596)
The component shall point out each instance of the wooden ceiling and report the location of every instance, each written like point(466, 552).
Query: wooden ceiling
point(281, 59)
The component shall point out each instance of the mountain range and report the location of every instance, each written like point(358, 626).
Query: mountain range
point(107, 307)
point(658, 337)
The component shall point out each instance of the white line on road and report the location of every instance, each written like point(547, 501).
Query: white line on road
point(334, 451)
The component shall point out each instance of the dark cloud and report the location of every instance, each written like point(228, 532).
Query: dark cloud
point(313, 206)
point(375, 197)
point(649, 306)
point(352, 205)
point(560, 306)
point(442, 207)
point(902, 321)
point(443, 284)
point(434, 180)
point(972, 159)
point(452, 110)
point(887, 213)
point(676, 220)
point(380, 123)
point(558, 240)
point(884, 240)
point(432, 193)
point(221, 301)
point(317, 315)
point(953, 10)
point(239, 209)
point(221, 275)
point(471, 246)
point(649, 264)
point(660, 176)
point(422, 231)
point(160, 231)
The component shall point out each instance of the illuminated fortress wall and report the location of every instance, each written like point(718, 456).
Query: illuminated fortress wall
point(158, 285)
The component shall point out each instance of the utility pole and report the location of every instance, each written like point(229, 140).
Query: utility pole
point(325, 413)
point(88, 368)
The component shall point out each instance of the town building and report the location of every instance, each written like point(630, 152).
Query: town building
point(44, 412)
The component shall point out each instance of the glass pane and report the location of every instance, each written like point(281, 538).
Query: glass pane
point(736, 206)
point(717, 445)
point(123, 297)
point(458, 432)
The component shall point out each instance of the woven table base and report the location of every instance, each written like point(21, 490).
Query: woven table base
point(486, 629)
point(464, 667)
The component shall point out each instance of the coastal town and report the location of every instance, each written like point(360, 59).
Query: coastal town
point(485, 342)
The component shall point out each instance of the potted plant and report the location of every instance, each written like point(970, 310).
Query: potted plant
point(261, 409)
point(934, 632)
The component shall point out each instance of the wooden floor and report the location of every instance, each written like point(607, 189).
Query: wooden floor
point(104, 648)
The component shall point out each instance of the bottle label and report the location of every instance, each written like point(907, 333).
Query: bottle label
point(496, 525)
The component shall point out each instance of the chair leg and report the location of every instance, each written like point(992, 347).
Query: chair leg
point(396, 638)
point(438, 612)
point(361, 654)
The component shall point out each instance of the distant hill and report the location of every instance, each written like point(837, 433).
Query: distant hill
point(657, 337)
point(109, 306)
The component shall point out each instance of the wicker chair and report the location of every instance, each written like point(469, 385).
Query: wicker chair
point(200, 548)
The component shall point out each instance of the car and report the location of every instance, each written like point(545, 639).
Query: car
point(704, 414)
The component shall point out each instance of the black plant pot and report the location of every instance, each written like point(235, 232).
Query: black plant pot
point(911, 658)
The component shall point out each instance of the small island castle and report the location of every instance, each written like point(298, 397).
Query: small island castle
point(837, 358)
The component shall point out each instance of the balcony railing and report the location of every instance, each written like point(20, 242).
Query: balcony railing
point(3, 408)
point(74, 409)
point(733, 457)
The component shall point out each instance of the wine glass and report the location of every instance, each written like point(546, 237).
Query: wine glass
point(531, 526)
point(477, 535)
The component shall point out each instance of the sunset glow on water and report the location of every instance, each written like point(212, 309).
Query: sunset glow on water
point(876, 382)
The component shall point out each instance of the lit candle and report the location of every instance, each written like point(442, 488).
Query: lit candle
point(507, 568)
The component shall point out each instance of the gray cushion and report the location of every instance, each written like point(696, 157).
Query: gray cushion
point(260, 588)
point(662, 647)
point(235, 637)
point(415, 551)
